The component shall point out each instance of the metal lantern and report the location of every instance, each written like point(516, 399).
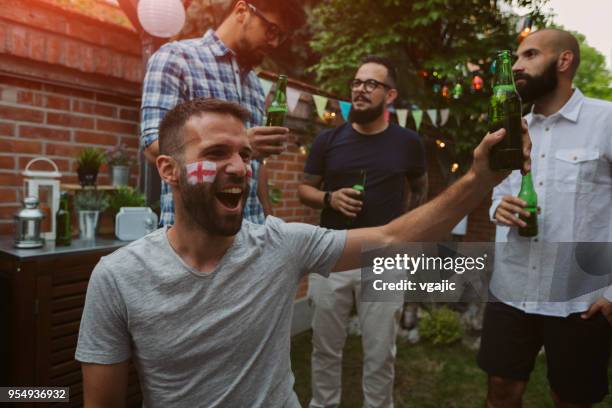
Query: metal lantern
point(161, 18)
point(36, 182)
point(28, 221)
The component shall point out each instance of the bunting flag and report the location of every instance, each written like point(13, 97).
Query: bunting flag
point(345, 108)
point(293, 97)
point(417, 115)
point(433, 115)
point(402, 116)
point(266, 85)
point(444, 114)
point(320, 103)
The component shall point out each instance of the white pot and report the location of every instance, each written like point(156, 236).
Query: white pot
point(88, 223)
point(120, 175)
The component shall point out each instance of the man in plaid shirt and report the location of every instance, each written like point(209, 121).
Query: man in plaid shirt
point(219, 65)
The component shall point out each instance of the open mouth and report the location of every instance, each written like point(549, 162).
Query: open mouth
point(230, 197)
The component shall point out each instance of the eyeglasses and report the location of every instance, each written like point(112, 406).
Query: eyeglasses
point(273, 31)
point(369, 84)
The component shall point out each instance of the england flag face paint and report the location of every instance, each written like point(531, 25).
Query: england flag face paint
point(201, 172)
point(249, 171)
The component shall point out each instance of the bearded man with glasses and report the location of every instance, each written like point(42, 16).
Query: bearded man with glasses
point(389, 162)
point(220, 65)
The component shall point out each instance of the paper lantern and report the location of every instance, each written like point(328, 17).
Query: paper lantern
point(445, 92)
point(477, 83)
point(161, 18)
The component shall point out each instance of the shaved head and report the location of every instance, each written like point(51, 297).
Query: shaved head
point(559, 41)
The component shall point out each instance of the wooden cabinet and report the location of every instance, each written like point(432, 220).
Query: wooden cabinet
point(42, 293)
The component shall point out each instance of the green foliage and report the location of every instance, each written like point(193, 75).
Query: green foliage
point(90, 200)
point(593, 78)
point(117, 155)
point(90, 159)
point(441, 326)
point(125, 196)
point(420, 34)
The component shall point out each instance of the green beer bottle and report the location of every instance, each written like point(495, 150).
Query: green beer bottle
point(63, 223)
point(359, 186)
point(505, 112)
point(528, 194)
point(278, 107)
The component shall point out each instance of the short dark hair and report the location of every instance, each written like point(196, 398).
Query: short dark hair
point(290, 11)
point(385, 62)
point(171, 127)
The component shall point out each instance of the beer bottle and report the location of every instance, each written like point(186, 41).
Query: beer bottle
point(63, 223)
point(505, 112)
point(360, 187)
point(278, 107)
point(529, 195)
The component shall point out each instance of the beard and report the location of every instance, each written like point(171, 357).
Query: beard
point(247, 55)
point(200, 207)
point(367, 115)
point(536, 87)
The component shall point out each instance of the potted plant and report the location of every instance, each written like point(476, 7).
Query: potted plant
point(89, 161)
point(119, 162)
point(125, 196)
point(89, 204)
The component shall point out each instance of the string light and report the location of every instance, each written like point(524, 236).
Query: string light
point(303, 150)
point(454, 167)
point(445, 92)
point(477, 83)
point(440, 144)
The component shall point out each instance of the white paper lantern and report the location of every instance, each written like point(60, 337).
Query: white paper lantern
point(161, 18)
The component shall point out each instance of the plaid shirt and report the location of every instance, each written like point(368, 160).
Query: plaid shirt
point(201, 67)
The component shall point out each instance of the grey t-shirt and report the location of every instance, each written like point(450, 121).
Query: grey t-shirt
point(219, 339)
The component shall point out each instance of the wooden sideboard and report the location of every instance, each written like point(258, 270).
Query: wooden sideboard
point(42, 293)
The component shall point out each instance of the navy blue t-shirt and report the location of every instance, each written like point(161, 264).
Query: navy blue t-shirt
point(339, 155)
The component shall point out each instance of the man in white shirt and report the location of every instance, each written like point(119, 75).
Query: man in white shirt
point(551, 288)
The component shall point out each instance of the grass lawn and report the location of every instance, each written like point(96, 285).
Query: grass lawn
point(425, 376)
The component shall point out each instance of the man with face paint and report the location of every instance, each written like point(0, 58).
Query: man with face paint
point(572, 173)
point(203, 308)
point(391, 159)
point(219, 65)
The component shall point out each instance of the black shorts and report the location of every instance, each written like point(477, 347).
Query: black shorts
point(577, 350)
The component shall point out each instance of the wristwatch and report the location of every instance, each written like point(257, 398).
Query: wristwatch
point(327, 199)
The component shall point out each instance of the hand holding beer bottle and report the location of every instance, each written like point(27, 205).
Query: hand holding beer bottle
point(271, 139)
point(521, 211)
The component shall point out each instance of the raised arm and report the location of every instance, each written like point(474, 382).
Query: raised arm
point(105, 385)
point(435, 219)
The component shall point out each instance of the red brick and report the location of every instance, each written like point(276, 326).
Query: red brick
point(130, 142)
point(115, 126)
point(29, 98)
point(19, 146)
point(89, 59)
point(7, 228)
point(103, 61)
point(275, 165)
point(7, 129)
point(65, 119)
point(21, 114)
point(37, 46)
point(19, 83)
point(130, 114)
point(117, 66)
point(94, 108)
point(44, 133)
point(282, 212)
point(7, 162)
point(64, 150)
point(57, 102)
point(3, 35)
point(55, 49)
point(284, 176)
point(9, 211)
point(69, 91)
point(62, 164)
point(74, 55)
point(95, 138)
point(117, 100)
point(11, 180)
point(17, 43)
point(132, 69)
point(299, 168)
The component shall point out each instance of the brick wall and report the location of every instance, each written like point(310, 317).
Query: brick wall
point(38, 119)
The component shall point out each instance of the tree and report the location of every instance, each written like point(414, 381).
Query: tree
point(592, 78)
point(421, 36)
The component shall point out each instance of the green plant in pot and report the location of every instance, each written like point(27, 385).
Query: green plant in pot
point(89, 204)
point(125, 196)
point(119, 162)
point(89, 161)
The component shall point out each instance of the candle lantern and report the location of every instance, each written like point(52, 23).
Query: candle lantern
point(45, 187)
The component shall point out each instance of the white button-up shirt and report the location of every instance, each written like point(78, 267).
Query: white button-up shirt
point(572, 174)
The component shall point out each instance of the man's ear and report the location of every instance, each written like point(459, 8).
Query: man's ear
point(391, 96)
point(168, 169)
point(565, 60)
point(241, 10)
